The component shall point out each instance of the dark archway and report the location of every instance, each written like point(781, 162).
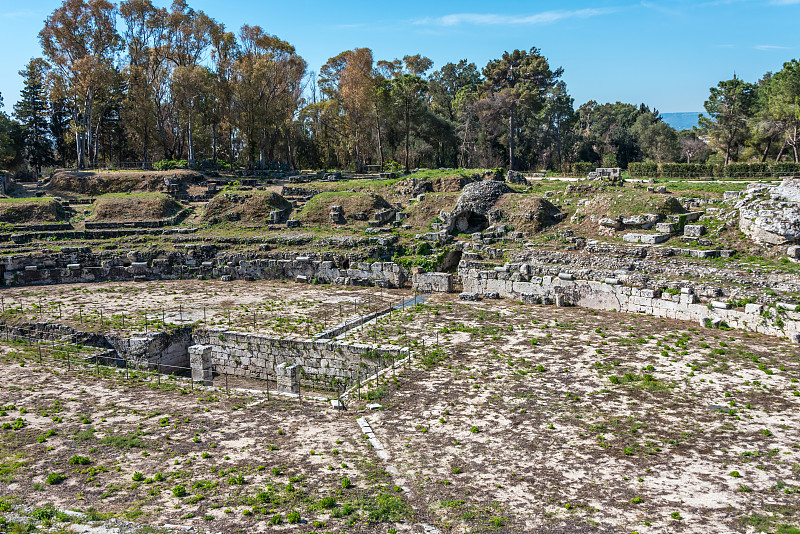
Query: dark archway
point(469, 222)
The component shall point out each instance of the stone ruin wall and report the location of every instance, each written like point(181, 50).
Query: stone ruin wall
point(78, 264)
point(166, 351)
point(323, 363)
point(516, 282)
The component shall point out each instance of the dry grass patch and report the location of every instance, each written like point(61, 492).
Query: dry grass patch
point(134, 207)
point(317, 210)
point(33, 210)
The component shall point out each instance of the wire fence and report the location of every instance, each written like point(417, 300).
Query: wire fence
point(368, 383)
point(327, 320)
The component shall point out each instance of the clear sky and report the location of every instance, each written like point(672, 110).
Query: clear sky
point(665, 53)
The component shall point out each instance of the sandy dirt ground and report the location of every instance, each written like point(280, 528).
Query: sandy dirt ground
point(169, 455)
point(512, 418)
point(532, 418)
point(268, 307)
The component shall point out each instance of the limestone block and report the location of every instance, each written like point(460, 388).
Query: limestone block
point(753, 309)
point(200, 363)
point(694, 230)
point(654, 239)
point(794, 251)
point(288, 377)
point(667, 228)
point(650, 293)
point(719, 305)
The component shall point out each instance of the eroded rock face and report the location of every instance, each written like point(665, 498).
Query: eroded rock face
point(771, 215)
point(789, 190)
point(644, 221)
point(516, 177)
point(474, 209)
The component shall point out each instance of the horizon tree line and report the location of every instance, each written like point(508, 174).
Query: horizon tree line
point(138, 83)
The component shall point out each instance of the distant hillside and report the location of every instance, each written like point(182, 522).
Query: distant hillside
point(681, 121)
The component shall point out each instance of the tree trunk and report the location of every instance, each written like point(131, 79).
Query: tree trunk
point(214, 143)
point(79, 150)
point(464, 143)
point(358, 150)
point(87, 121)
point(380, 142)
point(408, 128)
point(764, 155)
point(191, 142)
point(290, 151)
point(511, 139)
point(780, 152)
point(145, 142)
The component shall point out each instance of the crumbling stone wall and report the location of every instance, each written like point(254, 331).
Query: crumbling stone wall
point(433, 282)
point(165, 351)
point(322, 363)
point(79, 264)
point(517, 282)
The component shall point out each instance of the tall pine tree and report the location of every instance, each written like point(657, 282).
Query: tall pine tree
point(32, 113)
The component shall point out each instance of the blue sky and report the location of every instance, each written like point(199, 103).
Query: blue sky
point(663, 53)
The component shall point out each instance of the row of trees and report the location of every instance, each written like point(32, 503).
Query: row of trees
point(756, 121)
point(175, 84)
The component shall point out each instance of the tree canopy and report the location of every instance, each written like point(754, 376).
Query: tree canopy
point(140, 83)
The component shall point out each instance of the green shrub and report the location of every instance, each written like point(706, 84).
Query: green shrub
point(79, 460)
point(686, 170)
point(236, 480)
point(170, 164)
point(642, 169)
point(179, 491)
point(293, 517)
point(327, 502)
point(582, 168)
point(137, 476)
point(55, 478)
point(387, 507)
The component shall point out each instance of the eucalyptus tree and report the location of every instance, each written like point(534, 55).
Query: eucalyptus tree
point(81, 42)
point(267, 75)
point(348, 85)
